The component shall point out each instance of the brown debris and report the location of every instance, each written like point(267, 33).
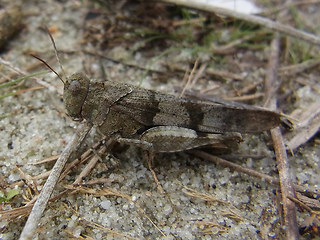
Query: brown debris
point(308, 124)
point(287, 189)
point(10, 23)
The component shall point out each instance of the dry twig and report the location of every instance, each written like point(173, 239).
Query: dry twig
point(273, 25)
point(47, 189)
point(308, 125)
point(90, 165)
point(250, 172)
point(289, 208)
point(245, 97)
point(299, 68)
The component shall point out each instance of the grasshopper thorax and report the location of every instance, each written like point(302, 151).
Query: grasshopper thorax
point(75, 92)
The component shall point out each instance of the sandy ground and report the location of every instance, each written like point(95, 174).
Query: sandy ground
point(37, 128)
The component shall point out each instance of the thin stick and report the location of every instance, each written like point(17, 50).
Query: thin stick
point(287, 189)
point(40, 204)
point(245, 97)
point(83, 158)
point(289, 208)
point(308, 125)
point(224, 74)
point(91, 165)
point(299, 68)
point(273, 25)
point(250, 172)
point(189, 78)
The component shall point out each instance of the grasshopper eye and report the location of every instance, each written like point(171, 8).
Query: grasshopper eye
point(75, 87)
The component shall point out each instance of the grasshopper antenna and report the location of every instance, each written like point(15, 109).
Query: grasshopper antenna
point(45, 63)
point(55, 51)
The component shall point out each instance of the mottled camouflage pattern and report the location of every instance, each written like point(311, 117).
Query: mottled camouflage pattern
point(160, 119)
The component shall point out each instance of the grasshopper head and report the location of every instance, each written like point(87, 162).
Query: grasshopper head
point(75, 92)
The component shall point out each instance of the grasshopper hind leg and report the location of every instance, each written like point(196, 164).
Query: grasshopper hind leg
point(176, 139)
point(148, 155)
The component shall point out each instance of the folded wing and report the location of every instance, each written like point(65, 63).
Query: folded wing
point(156, 109)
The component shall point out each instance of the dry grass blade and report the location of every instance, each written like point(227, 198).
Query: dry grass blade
point(211, 227)
point(310, 202)
point(49, 159)
point(24, 73)
point(312, 221)
point(231, 213)
point(108, 230)
point(190, 78)
point(10, 85)
point(224, 74)
point(84, 157)
point(112, 192)
point(90, 165)
point(203, 196)
point(15, 213)
point(245, 97)
point(99, 181)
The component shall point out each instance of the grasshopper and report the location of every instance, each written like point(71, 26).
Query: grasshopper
point(156, 121)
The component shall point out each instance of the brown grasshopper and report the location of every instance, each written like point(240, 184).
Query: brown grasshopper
point(156, 121)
